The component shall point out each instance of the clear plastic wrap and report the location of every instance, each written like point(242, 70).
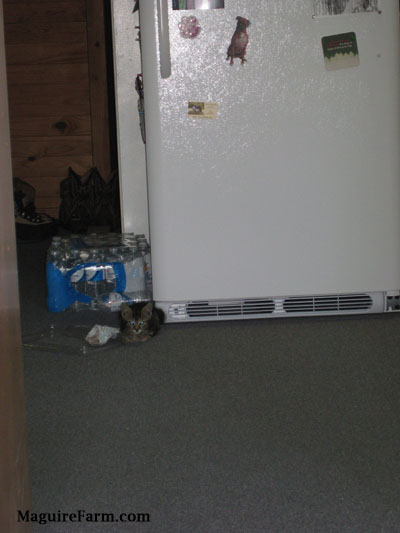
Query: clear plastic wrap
point(98, 271)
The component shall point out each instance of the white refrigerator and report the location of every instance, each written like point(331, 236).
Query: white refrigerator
point(272, 151)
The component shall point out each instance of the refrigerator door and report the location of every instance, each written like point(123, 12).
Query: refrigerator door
point(291, 185)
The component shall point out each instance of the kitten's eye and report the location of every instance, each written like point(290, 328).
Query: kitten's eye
point(141, 323)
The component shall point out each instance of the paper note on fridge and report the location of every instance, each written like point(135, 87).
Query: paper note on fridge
point(202, 109)
point(340, 51)
point(341, 7)
point(198, 4)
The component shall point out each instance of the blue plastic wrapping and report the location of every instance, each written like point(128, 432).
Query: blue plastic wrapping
point(103, 284)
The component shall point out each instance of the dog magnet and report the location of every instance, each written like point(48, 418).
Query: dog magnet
point(239, 41)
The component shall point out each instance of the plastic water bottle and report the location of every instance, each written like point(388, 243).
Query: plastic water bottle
point(65, 244)
point(128, 237)
point(58, 255)
point(93, 274)
point(144, 249)
point(108, 274)
point(128, 242)
point(134, 272)
point(112, 301)
point(54, 254)
point(115, 254)
point(111, 255)
point(78, 277)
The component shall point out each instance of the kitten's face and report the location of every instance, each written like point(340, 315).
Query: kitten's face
point(136, 322)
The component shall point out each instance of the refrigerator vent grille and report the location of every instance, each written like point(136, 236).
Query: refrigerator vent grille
point(323, 304)
point(276, 307)
point(227, 309)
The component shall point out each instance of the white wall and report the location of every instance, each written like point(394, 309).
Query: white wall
point(131, 151)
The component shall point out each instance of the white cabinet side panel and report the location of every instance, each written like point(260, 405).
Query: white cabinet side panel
point(131, 150)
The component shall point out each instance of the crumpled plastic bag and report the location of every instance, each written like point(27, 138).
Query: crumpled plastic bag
point(100, 335)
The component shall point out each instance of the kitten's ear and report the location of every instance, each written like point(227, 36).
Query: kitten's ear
point(147, 311)
point(126, 311)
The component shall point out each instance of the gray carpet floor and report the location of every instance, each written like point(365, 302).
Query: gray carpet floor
point(282, 425)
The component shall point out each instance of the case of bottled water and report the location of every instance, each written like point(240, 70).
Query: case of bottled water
point(98, 271)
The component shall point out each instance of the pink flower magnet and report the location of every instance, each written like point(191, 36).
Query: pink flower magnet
point(189, 27)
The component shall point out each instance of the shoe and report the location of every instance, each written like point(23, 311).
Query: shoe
point(30, 226)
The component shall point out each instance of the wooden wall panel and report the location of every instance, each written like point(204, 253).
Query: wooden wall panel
point(56, 166)
point(50, 93)
point(48, 53)
point(98, 86)
point(51, 147)
point(41, 100)
point(37, 74)
point(58, 32)
point(54, 125)
point(55, 11)
point(45, 187)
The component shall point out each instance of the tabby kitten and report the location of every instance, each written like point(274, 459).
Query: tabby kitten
point(140, 321)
